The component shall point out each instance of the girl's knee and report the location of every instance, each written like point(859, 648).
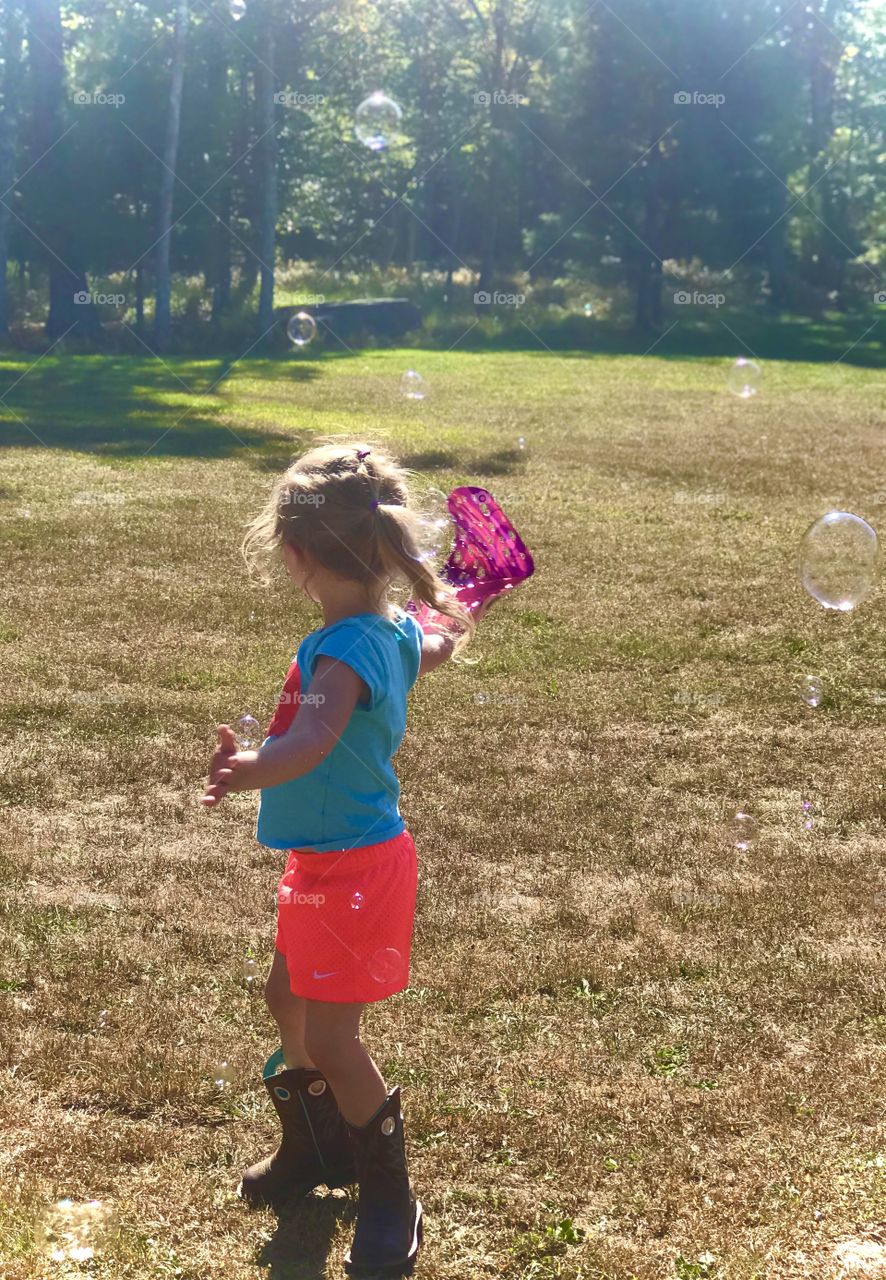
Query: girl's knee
point(327, 1048)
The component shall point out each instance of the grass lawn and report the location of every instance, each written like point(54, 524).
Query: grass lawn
point(629, 1051)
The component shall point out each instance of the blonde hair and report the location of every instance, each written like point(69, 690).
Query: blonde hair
point(348, 507)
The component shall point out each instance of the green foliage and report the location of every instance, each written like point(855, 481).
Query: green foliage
point(541, 145)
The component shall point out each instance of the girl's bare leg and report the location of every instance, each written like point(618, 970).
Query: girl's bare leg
point(288, 1012)
point(332, 1039)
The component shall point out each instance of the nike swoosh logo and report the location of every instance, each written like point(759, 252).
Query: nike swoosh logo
point(325, 975)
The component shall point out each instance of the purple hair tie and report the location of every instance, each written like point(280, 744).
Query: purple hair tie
point(362, 454)
point(374, 504)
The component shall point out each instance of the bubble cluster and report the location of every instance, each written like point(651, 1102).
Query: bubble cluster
point(744, 378)
point(377, 122)
point(74, 1231)
point(839, 557)
point(247, 731)
point(744, 831)
point(301, 329)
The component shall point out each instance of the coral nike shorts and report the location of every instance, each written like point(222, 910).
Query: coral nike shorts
point(345, 920)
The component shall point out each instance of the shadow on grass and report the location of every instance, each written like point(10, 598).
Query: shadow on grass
point(125, 407)
point(504, 462)
point(299, 1248)
point(856, 339)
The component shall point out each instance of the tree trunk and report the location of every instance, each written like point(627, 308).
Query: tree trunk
point(267, 170)
point(8, 140)
point(775, 248)
point(162, 282)
point(218, 266)
point(69, 298)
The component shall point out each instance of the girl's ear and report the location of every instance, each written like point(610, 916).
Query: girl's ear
point(295, 561)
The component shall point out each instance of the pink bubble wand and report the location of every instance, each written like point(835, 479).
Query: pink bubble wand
point(489, 556)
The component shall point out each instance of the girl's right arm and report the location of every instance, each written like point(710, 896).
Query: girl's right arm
point(439, 639)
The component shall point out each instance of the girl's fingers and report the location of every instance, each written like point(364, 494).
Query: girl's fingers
point(213, 795)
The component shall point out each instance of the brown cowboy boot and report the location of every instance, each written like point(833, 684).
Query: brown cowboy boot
point(389, 1218)
point(314, 1149)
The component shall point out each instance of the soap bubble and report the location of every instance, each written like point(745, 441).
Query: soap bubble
point(838, 560)
point(223, 1075)
point(377, 123)
point(744, 378)
point(386, 966)
point(301, 329)
point(588, 309)
point(237, 8)
point(357, 901)
point(413, 386)
point(812, 691)
point(744, 831)
point(436, 531)
point(72, 1231)
point(521, 442)
point(247, 731)
point(811, 811)
point(250, 970)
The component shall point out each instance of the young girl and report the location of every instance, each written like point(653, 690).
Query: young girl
point(329, 798)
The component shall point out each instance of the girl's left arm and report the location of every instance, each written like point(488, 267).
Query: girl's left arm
point(334, 692)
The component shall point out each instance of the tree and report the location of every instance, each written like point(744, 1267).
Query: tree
point(162, 283)
point(56, 217)
point(266, 148)
point(9, 116)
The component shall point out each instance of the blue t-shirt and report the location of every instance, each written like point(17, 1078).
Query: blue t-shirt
point(351, 798)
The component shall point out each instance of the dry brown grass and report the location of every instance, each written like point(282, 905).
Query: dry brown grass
point(628, 1052)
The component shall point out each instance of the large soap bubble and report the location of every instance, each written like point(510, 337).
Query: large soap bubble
point(838, 560)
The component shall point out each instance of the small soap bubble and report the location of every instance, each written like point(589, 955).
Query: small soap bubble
point(744, 831)
point(481, 698)
point(74, 1231)
point(237, 8)
point(377, 122)
point(250, 971)
point(413, 386)
point(588, 309)
point(744, 378)
point(521, 442)
point(223, 1076)
point(301, 329)
point(247, 731)
point(811, 811)
point(812, 691)
point(386, 966)
point(357, 901)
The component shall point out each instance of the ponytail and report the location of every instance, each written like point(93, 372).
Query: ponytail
point(401, 557)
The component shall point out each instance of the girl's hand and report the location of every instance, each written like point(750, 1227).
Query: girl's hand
point(226, 762)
